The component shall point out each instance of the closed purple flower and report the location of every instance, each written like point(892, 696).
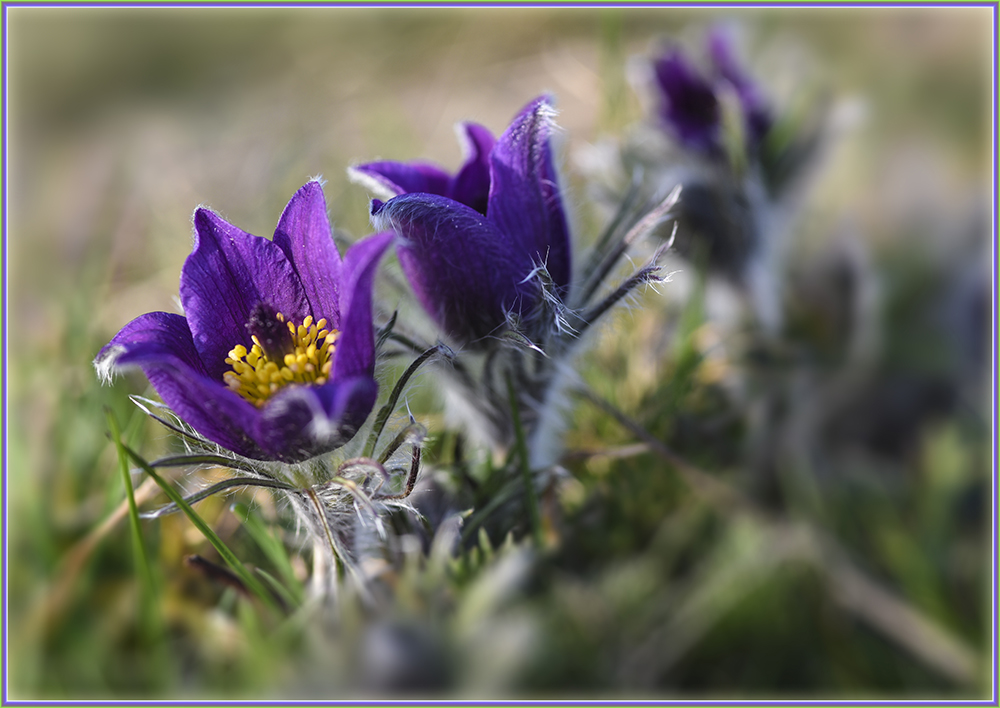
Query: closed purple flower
point(469, 261)
point(690, 104)
point(689, 107)
point(469, 186)
point(756, 111)
point(274, 357)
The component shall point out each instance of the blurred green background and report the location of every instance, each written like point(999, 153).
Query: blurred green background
point(122, 121)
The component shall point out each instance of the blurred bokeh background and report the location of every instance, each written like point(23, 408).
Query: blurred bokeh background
point(122, 121)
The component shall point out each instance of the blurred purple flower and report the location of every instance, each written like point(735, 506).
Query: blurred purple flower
point(274, 358)
point(756, 111)
point(470, 263)
point(690, 105)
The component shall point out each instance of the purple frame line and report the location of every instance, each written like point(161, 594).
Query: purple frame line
point(548, 4)
point(3, 343)
point(525, 702)
point(996, 499)
point(193, 4)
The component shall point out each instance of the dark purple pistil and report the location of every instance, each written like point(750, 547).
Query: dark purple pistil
point(271, 332)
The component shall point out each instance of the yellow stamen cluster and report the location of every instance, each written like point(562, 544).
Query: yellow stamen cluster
point(257, 378)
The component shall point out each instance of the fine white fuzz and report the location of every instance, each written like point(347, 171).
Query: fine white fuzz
point(106, 363)
point(376, 184)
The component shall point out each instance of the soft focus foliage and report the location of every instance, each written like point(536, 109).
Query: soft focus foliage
point(772, 474)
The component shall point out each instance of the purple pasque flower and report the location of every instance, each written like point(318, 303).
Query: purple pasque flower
point(469, 186)
point(691, 106)
point(274, 357)
point(757, 114)
point(471, 267)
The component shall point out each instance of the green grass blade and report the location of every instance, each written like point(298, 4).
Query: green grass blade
point(284, 593)
point(244, 575)
point(273, 548)
point(531, 499)
point(482, 513)
point(139, 547)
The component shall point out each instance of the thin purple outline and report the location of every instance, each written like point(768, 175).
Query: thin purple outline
point(3, 339)
point(513, 4)
point(993, 554)
point(512, 702)
point(711, 4)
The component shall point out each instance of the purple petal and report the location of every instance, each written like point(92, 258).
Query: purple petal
point(524, 201)
point(161, 345)
point(153, 337)
point(757, 113)
point(227, 274)
point(471, 185)
point(720, 48)
point(304, 421)
point(355, 354)
point(393, 178)
point(304, 236)
point(464, 270)
point(690, 106)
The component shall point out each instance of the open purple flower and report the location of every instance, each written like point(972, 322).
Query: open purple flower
point(469, 262)
point(274, 358)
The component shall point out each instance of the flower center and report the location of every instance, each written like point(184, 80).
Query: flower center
point(276, 359)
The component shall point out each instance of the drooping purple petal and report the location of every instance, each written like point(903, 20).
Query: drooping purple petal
point(161, 345)
point(525, 202)
point(303, 421)
point(690, 107)
point(227, 274)
point(394, 178)
point(756, 111)
point(471, 185)
point(153, 337)
point(305, 237)
point(355, 354)
point(465, 271)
